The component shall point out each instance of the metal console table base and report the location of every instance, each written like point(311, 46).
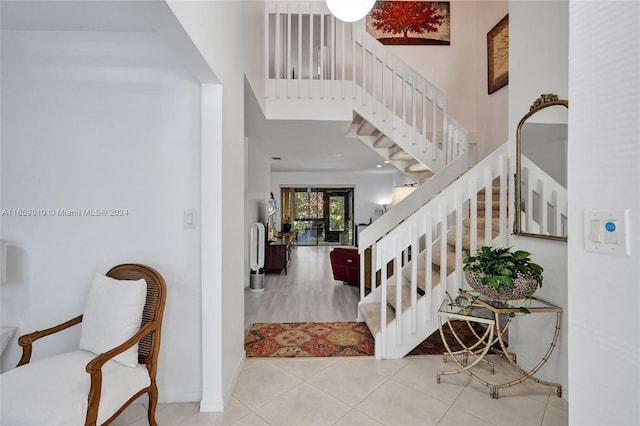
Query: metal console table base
point(485, 311)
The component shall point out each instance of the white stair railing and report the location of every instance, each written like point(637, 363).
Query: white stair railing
point(425, 232)
point(313, 56)
point(403, 105)
point(544, 200)
point(308, 52)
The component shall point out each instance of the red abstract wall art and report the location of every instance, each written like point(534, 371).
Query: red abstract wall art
point(410, 22)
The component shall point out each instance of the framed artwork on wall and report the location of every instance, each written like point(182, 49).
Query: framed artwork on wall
point(410, 22)
point(498, 55)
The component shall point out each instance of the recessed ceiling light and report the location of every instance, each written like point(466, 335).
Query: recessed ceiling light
point(379, 165)
point(386, 161)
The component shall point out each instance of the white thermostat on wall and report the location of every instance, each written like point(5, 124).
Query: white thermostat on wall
point(606, 231)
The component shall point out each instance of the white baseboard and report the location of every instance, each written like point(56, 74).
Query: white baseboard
point(218, 404)
point(214, 405)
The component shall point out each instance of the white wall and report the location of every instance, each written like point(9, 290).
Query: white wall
point(100, 120)
point(538, 63)
point(257, 189)
point(604, 153)
point(371, 188)
point(460, 71)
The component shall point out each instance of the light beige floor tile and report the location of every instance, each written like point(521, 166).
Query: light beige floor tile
point(505, 373)
point(508, 410)
point(175, 413)
point(251, 420)
point(234, 411)
point(395, 404)
point(356, 418)
point(251, 363)
point(384, 367)
point(303, 405)
point(259, 385)
point(555, 416)
point(188, 414)
point(144, 422)
point(455, 417)
point(421, 374)
point(558, 402)
point(132, 414)
point(347, 382)
point(304, 367)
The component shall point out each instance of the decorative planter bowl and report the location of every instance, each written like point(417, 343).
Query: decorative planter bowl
point(523, 287)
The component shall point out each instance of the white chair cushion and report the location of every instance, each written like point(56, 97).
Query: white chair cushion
point(53, 391)
point(112, 314)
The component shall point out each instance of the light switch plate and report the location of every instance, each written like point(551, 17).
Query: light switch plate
point(190, 218)
point(606, 231)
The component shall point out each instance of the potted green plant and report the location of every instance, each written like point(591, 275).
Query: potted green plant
point(502, 273)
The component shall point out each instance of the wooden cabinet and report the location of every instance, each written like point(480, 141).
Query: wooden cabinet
point(278, 253)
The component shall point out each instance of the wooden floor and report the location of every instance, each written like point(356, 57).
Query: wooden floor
point(307, 293)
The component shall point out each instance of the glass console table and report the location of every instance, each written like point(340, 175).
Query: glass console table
point(472, 307)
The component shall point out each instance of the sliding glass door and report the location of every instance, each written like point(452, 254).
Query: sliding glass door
point(320, 215)
point(308, 220)
point(338, 226)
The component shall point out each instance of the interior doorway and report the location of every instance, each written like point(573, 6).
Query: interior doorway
point(318, 216)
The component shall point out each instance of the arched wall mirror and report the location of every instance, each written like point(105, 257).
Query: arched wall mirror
point(541, 170)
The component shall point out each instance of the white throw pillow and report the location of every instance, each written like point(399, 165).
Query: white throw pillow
point(112, 314)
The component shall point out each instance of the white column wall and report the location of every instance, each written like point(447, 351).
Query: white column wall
point(604, 153)
point(538, 52)
point(225, 33)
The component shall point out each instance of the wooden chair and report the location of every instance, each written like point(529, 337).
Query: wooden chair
point(101, 368)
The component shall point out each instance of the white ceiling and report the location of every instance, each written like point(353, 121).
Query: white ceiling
point(72, 15)
point(303, 145)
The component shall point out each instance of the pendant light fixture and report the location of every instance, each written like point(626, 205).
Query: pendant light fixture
point(350, 10)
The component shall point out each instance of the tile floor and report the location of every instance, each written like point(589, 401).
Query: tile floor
point(354, 391)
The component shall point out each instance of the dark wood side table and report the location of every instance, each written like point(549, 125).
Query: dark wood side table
point(278, 252)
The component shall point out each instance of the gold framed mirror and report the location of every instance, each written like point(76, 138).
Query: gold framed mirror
point(541, 170)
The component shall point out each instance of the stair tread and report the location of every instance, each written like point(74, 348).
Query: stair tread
point(383, 142)
point(417, 166)
point(405, 297)
point(495, 189)
point(400, 154)
point(495, 222)
point(466, 239)
point(451, 260)
point(371, 314)
point(495, 204)
point(367, 129)
point(422, 275)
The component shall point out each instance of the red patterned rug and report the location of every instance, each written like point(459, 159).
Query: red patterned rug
point(309, 339)
point(324, 339)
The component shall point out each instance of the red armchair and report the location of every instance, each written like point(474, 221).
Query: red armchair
point(345, 264)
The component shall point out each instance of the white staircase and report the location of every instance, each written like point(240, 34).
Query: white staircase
point(470, 213)
point(314, 59)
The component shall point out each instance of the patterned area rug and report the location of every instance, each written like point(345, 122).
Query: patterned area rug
point(324, 339)
point(309, 339)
